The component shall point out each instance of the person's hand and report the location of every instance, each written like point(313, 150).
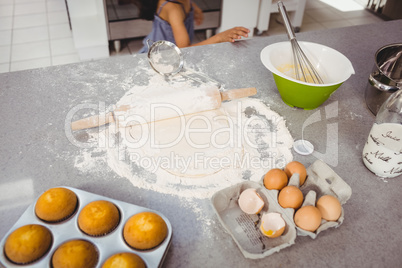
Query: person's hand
point(232, 35)
point(198, 15)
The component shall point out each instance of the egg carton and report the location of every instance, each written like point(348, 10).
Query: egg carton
point(245, 229)
point(106, 245)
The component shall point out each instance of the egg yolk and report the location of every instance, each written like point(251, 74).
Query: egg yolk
point(269, 232)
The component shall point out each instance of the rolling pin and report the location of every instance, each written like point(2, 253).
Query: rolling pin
point(155, 105)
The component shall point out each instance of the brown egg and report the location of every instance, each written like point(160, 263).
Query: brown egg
point(308, 218)
point(330, 207)
point(275, 179)
point(296, 167)
point(290, 197)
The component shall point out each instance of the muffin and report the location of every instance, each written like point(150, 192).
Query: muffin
point(75, 254)
point(56, 204)
point(145, 230)
point(28, 244)
point(124, 260)
point(98, 218)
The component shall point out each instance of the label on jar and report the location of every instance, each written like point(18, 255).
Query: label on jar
point(382, 153)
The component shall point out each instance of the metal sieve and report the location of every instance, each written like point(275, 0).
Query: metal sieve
point(165, 57)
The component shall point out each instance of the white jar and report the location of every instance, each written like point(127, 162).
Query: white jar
point(382, 153)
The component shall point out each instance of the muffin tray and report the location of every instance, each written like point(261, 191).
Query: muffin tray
point(245, 229)
point(106, 245)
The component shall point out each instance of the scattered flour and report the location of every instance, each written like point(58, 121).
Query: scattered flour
point(191, 156)
point(353, 116)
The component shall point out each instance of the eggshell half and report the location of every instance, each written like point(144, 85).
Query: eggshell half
point(250, 201)
point(272, 224)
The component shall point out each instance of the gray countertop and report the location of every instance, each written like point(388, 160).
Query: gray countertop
point(36, 155)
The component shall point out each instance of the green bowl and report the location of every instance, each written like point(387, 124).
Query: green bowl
point(334, 69)
point(303, 96)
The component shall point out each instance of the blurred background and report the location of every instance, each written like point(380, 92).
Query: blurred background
point(40, 33)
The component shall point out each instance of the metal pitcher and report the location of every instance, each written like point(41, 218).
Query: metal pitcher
point(386, 76)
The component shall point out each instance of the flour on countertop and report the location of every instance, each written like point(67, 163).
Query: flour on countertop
point(353, 116)
point(240, 141)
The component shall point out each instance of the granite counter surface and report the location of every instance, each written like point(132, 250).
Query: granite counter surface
point(36, 154)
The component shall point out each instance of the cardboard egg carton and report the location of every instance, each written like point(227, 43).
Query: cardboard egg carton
point(245, 229)
point(107, 245)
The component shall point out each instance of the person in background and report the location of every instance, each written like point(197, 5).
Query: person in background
point(173, 20)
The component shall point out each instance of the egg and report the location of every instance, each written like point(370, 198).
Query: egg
point(308, 218)
point(272, 224)
point(275, 179)
point(330, 207)
point(290, 197)
point(250, 201)
point(296, 167)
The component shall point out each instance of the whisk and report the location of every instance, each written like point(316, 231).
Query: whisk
point(304, 69)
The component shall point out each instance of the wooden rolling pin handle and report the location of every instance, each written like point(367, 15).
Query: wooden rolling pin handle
point(93, 121)
point(100, 120)
point(238, 93)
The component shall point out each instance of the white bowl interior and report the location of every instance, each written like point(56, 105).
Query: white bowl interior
point(333, 67)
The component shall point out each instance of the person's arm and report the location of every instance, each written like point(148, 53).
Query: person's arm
point(230, 35)
point(198, 14)
point(175, 17)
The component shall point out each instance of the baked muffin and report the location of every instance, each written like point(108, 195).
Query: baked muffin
point(28, 243)
point(75, 254)
point(124, 260)
point(98, 218)
point(145, 230)
point(56, 204)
